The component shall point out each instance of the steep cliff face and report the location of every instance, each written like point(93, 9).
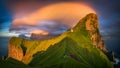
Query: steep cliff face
point(92, 27)
point(14, 48)
point(90, 23)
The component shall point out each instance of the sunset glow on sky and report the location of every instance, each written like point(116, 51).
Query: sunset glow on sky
point(60, 11)
point(67, 14)
point(55, 16)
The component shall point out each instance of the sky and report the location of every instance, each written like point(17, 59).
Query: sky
point(56, 16)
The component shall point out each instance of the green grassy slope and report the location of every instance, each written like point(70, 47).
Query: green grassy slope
point(69, 54)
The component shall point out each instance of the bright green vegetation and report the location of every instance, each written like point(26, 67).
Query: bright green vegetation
point(69, 54)
point(70, 50)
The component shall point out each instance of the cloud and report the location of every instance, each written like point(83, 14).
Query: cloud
point(51, 19)
point(53, 27)
point(44, 27)
point(39, 32)
point(54, 12)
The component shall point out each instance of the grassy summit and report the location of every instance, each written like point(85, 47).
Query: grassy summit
point(79, 47)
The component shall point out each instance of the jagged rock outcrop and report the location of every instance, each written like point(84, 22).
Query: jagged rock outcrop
point(90, 23)
point(23, 36)
point(92, 26)
point(111, 56)
point(14, 49)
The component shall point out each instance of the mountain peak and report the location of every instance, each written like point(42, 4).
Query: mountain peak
point(92, 14)
point(89, 22)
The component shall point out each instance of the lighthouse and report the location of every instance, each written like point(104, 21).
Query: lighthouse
point(71, 30)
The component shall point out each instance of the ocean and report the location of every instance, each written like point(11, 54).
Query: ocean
point(113, 44)
point(4, 46)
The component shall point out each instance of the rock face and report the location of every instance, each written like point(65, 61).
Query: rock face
point(91, 25)
point(15, 52)
point(42, 37)
point(111, 56)
point(14, 49)
point(23, 36)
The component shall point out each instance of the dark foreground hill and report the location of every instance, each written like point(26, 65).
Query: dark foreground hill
point(79, 47)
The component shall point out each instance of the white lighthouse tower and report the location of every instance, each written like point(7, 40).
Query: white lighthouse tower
point(71, 30)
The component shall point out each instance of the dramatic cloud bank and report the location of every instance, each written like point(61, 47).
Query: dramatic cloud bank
point(51, 19)
point(44, 27)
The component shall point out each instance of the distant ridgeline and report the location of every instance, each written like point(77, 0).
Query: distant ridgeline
point(42, 37)
point(80, 47)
